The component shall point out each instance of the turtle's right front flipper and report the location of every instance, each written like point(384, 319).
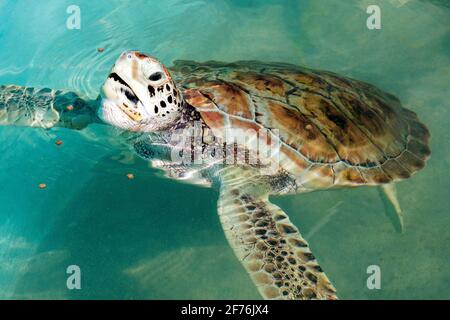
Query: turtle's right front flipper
point(269, 246)
point(44, 108)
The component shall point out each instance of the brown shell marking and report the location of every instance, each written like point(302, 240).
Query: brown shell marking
point(335, 129)
point(296, 130)
point(226, 96)
point(262, 84)
point(209, 111)
point(341, 134)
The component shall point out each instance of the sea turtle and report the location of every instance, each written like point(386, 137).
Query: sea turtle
point(252, 130)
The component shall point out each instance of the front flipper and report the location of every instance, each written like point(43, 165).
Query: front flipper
point(44, 108)
point(269, 246)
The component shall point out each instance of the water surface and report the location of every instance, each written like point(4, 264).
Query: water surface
point(156, 238)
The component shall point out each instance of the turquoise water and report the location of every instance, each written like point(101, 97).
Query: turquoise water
point(158, 239)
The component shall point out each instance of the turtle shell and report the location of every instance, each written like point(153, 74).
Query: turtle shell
point(334, 130)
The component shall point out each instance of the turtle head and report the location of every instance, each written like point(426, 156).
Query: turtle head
point(140, 95)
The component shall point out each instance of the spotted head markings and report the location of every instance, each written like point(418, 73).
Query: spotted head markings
point(142, 88)
point(168, 98)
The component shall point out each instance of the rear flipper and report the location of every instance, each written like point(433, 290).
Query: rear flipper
point(389, 193)
point(44, 108)
point(269, 246)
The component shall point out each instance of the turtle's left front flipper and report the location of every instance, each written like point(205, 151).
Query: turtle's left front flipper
point(269, 246)
point(45, 108)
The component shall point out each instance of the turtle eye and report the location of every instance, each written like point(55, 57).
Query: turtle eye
point(155, 76)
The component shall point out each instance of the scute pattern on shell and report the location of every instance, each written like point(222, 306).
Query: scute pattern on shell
point(335, 130)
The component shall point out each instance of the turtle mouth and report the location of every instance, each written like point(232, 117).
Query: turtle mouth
point(131, 96)
point(129, 92)
point(117, 78)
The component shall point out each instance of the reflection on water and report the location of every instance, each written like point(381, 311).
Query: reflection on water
point(155, 238)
